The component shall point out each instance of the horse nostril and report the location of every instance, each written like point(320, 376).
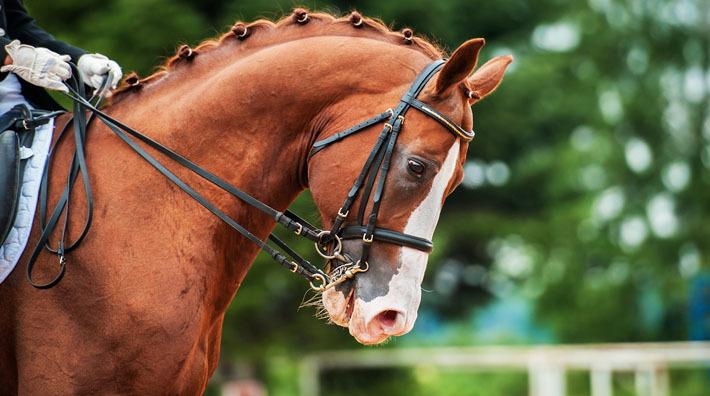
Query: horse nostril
point(390, 321)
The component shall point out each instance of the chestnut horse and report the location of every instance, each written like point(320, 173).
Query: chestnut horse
point(140, 309)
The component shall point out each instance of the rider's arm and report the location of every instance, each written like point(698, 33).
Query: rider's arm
point(21, 26)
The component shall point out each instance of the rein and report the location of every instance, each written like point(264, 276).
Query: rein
point(328, 243)
point(290, 221)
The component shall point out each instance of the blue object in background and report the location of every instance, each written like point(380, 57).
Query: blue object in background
point(699, 307)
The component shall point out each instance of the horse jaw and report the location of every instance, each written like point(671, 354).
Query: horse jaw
point(393, 313)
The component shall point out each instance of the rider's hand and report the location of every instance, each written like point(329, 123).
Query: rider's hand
point(38, 66)
point(93, 68)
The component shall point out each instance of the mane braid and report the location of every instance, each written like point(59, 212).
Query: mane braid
point(260, 33)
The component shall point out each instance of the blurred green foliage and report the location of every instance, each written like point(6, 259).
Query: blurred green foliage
point(586, 194)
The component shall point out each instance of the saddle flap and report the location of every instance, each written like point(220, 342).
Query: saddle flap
point(9, 180)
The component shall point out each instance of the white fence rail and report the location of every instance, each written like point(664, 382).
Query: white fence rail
point(546, 365)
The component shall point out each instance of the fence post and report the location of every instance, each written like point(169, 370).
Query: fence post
point(546, 380)
point(600, 378)
point(309, 377)
point(652, 380)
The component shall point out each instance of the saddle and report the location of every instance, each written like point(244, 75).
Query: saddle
point(17, 128)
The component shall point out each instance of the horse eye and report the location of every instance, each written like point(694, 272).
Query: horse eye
point(416, 167)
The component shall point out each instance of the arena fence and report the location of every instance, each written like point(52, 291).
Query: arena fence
point(546, 366)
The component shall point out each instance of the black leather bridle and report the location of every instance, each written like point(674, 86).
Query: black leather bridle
point(378, 162)
point(328, 242)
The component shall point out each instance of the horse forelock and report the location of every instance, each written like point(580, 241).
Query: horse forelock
point(264, 33)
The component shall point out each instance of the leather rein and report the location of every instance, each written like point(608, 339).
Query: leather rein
point(328, 243)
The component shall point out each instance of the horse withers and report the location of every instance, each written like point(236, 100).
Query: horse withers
point(141, 306)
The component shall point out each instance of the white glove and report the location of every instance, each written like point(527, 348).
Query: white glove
point(38, 66)
point(93, 67)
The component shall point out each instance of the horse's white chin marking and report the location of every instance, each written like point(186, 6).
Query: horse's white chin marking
point(395, 312)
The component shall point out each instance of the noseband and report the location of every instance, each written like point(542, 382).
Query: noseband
point(378, 162)
point(328, 242)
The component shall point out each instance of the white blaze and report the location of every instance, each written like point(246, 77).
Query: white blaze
point(424, 218)
point(404, 292)
point(422, 223)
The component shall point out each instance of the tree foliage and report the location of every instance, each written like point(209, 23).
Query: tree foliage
point(586, 191)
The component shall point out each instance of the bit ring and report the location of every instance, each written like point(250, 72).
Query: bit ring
point(320, 283)
point(336, 251)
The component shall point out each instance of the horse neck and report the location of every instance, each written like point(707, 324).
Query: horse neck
point(238, 135)
point(253, 120)
point(255, 117)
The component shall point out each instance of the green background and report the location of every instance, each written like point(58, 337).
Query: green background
point(583, 215)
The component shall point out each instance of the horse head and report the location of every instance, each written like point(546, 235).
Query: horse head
point(426, 165)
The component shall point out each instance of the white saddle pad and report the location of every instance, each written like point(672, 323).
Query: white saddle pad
point(13, 247)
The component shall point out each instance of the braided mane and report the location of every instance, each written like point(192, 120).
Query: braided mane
point(300, 24)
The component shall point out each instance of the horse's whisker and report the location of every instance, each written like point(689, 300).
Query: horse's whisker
point(315, 301)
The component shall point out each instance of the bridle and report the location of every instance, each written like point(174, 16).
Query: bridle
point(328, 243)
point(378, 162)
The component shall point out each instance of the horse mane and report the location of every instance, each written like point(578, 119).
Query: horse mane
point(263, 33)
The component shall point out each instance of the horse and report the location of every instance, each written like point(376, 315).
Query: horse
point(141, 307)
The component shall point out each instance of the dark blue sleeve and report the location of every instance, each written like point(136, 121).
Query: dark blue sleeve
point(21, 26)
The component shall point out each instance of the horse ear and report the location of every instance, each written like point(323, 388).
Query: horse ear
point(459, 66)
point(487, 78)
